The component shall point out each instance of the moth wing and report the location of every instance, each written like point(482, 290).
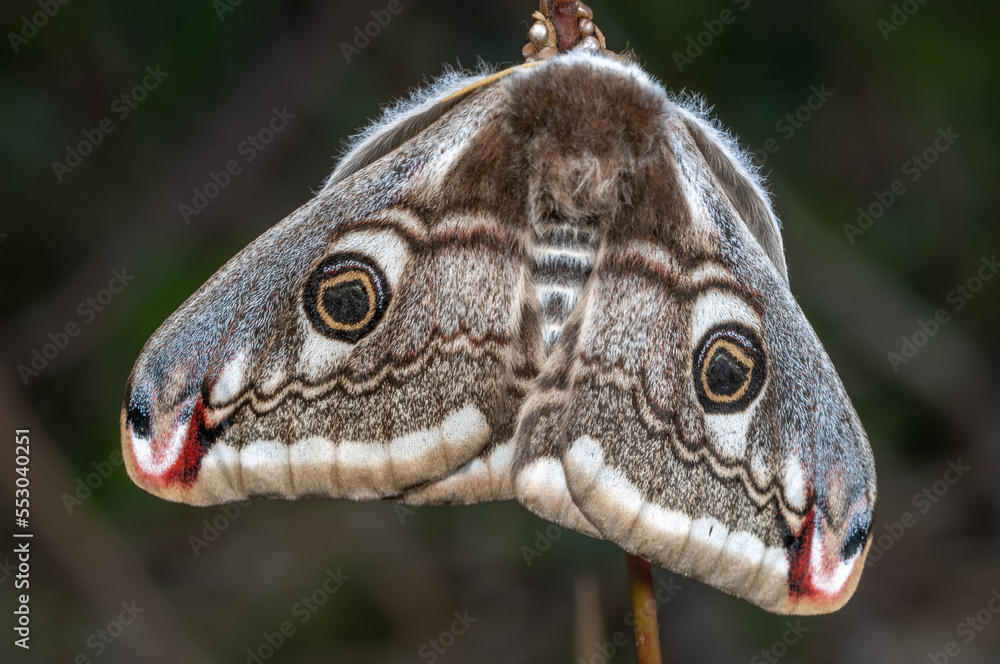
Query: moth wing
point(539, 438)
point(349, 351)
point(699, 421)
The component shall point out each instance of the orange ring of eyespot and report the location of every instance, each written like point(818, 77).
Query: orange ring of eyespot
point(741, 356)
point(350, 275)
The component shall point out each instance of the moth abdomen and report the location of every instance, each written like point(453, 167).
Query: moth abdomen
point(562, 254)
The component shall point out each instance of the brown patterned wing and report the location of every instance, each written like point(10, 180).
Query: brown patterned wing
point(368, 344)
point(706, 428)
point(688, 411)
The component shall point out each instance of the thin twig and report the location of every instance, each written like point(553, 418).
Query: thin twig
point(563, 14)
point(647, 630)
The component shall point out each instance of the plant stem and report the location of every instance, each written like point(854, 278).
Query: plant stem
point(647, 631)
point(563, 14)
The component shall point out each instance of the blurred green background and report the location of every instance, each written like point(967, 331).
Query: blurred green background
point(226, 66)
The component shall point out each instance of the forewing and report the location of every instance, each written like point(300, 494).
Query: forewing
point(366, 345)
point(699, 421)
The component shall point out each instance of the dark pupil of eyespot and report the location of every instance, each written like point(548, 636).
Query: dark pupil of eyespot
point(729, 369)
point(726, 374)
point(346, 297)
point(347, 302)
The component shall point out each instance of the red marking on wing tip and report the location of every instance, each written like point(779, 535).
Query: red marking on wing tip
point(799, 570)
point(802, 582)
point(185, 470)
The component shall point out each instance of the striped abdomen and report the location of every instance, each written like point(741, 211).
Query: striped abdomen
point(562, 256)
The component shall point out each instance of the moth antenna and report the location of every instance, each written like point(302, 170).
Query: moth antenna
point(561, 26)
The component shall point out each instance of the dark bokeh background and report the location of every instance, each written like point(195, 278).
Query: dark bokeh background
point(60, 241)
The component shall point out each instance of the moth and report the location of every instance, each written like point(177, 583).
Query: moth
point(557, 284)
